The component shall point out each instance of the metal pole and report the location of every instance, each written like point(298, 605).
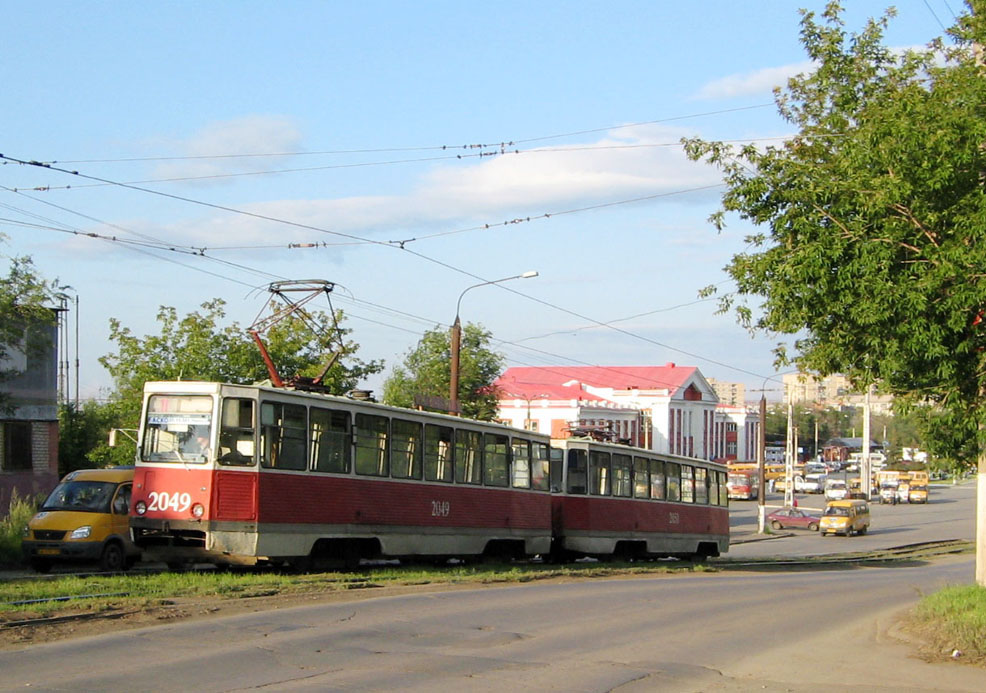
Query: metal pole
point(761, 458)
point(864, 465)
point(455, 341)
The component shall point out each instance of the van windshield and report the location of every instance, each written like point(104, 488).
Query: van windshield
point(81, 496)
point(834, 510)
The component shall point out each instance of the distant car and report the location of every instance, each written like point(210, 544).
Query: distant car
point(793, 517)
point(835, 489)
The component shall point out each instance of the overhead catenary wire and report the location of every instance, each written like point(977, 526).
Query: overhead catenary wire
point(370, 241)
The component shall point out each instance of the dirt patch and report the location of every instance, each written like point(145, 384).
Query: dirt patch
point(25, 628)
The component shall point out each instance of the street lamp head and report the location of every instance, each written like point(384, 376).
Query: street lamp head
point(529, 274)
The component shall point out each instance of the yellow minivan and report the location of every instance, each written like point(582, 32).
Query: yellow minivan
point(84, 519)
point(846, 517)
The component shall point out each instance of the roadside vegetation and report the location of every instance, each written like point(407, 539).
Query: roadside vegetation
point(46, 595)
point(12, 526)
point(952, 622)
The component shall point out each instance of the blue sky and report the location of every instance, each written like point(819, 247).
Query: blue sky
point(243, 127)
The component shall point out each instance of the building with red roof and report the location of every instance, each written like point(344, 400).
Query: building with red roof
point(670, 409)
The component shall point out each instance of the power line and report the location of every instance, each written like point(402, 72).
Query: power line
point(400, 245)
point(385, 150)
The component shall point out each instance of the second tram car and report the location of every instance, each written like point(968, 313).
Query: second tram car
point(247, 475)
point(614, 500)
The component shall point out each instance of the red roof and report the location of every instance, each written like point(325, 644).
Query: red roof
point(564, 382)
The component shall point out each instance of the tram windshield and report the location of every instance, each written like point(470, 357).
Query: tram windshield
point(178, 429)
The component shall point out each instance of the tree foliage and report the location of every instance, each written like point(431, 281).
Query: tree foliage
point(426, 371)
point(197, 347)
point(83, 436)
point(27, 301)
point(873, 246)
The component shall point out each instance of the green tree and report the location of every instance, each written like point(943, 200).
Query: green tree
point(83, 436)
point(196, 347)
point(26, 304)
point(875, 218)
point(426, 371)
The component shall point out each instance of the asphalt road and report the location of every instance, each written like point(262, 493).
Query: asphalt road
point(949, 514)
point(805, 632)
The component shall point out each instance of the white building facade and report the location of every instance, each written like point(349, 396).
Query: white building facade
point(668, 409)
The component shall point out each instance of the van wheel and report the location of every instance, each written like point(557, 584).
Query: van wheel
point(863, 531)
point(114, 559)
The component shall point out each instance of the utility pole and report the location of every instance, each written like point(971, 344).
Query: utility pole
point(864, 465)
point(761, 467)
point(789, 452)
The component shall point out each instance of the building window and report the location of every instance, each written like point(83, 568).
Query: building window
point(17, 446)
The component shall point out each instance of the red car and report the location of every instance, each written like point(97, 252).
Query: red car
point(792, 517)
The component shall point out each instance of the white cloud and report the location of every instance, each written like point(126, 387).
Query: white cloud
point(221, 144)
point(759, 82)
point(625, 164)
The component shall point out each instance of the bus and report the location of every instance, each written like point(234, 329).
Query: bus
point(743, 484)
point(256, 475)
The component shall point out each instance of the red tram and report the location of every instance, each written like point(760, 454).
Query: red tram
point(231, 474)
point(615, 500)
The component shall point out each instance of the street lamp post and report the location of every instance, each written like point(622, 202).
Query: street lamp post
point(455, 339)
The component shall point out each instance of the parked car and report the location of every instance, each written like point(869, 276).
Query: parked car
point(793, 518)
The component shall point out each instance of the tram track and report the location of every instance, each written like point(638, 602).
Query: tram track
point(928, 549)
point(909, 552)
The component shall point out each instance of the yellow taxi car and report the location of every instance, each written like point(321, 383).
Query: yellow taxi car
point(84, 519)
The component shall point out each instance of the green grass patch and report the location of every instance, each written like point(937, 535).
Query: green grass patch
point(45, 595)
point(954, 619)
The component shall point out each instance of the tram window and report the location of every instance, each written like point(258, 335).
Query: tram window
point(723, 478)
point(672, 472)
point(621, 476)
point(641, 482)
point(371, 445)
point(599, 474)
point(577, 465)
point(713, 488)
point(521, 453)
point(701, 487)
point(468, 457)
point(657, 479)
point(332, 441)
point(540, 466)
point(496, 463)
point(687, 484)
point(438, 453)
point(405, 449)
point(283, 429)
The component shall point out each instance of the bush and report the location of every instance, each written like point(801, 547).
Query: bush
point(12, 527)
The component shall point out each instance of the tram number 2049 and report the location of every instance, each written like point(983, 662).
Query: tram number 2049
point(440, 508)
point(178, 502)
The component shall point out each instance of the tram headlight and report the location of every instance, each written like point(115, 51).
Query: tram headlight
point(140, 507)
point(198, 510)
